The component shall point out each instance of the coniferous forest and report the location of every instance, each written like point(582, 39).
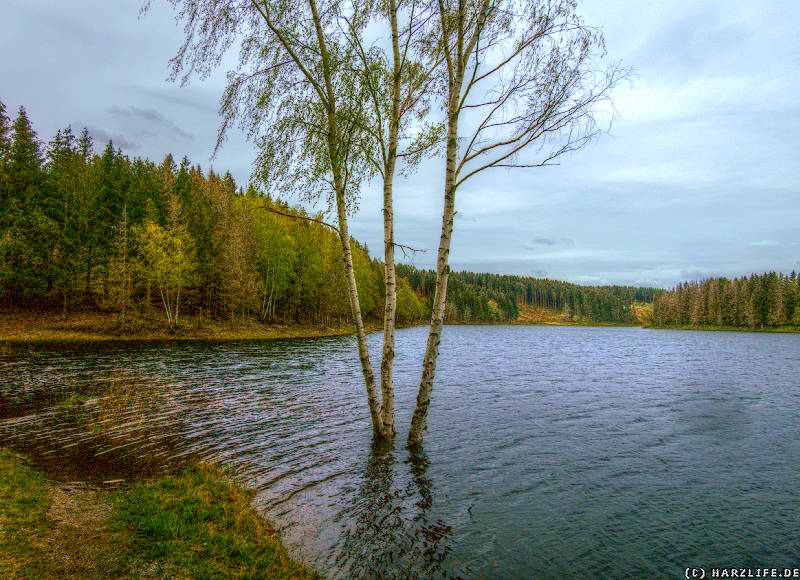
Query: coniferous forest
point(484, 297)
point(87, 229)
point(769, 300)
point(83, 228)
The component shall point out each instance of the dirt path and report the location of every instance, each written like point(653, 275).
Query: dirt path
point(81, 543)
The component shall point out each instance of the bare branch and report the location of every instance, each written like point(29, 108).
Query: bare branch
point(299, 217)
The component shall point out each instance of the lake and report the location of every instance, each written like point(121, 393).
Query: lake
point(551, 451)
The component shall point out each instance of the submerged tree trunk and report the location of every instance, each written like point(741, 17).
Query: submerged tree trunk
point(335, 153)
point(390, 280)
point(355, 307)
point(465, 43)
point(389, 312)
point(418, 421)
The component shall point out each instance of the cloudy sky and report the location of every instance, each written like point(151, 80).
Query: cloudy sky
point(700, 175)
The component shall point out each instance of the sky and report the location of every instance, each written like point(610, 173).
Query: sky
point(698, 177)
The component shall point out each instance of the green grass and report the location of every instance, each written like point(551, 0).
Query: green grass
point(72, 399)
point(200, 525)
point(24, 501)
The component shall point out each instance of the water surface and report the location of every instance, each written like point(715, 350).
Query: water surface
point(551, 451)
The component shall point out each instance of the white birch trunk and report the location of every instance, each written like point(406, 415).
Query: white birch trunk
point(418, 421)
point(389, 313)
point(355, 306)
point(165, 302)
point(390, 281)
point(456, 69)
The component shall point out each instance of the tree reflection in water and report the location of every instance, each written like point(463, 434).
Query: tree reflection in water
point(394, 533)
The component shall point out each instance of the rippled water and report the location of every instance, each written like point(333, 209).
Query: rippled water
point(551, 452)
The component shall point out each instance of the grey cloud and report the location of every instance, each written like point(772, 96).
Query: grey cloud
point(701, 171)
point(178, 96)
point(100, 136)
point(151, 116)
point(550, 242)
point(683, 48)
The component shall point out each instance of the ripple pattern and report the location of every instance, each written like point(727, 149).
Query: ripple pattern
point(551, 451)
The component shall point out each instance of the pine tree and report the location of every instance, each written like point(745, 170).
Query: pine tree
point(5, 149)
point(28, 236)
point(25, 160)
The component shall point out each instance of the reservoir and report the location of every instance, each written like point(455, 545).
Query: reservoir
point(551, 451)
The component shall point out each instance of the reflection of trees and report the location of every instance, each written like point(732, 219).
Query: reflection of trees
point(393, 534)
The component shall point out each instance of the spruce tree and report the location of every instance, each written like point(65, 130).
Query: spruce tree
point(5, 149)
point(28, 238)
point(24, 160)
point(65, 184)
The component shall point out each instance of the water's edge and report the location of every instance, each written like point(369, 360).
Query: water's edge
point(551, 450)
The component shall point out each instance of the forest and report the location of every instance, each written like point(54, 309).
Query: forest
point(87, 230)
point(768, 300)
point(482, 297)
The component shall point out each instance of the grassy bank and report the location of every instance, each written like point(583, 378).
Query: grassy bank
point(24, 502)
point(197, 524)
point(26, 326)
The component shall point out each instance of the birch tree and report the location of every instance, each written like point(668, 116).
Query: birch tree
point(295, 94)
point(165, 261)
point(524, 75)
point(397, 89)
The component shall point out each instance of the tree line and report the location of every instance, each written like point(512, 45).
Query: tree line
point(86, 230)
point(482, 297)
point(766, 300)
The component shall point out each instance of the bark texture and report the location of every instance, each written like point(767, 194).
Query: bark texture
point(390, 280)
point(465, 42)
point(335, 152)
point(418, 421)
point(361, 336)
point(389, 313)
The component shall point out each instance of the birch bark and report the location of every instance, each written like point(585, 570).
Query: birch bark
point(335, 146)
point(418, 421)
point(456, 65)
point(525, 73)
point(390, 281)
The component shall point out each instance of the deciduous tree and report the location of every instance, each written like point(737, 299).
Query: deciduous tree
point(524, 75)
point(296, 96)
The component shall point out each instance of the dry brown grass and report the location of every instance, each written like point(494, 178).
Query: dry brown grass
point(534, 315)
point(26, 326)
point(82, 542)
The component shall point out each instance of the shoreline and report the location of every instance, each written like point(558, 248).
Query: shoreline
point(29, 327)
point(34, 327)
point(196, 523)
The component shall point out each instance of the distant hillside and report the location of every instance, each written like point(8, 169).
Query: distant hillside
point(481, 297)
